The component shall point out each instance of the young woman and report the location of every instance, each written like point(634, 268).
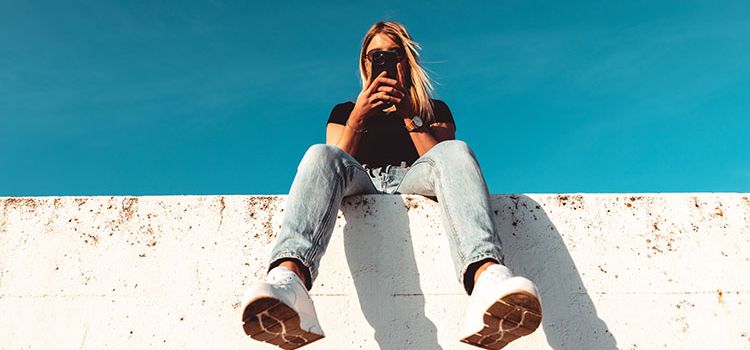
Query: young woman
point(393, 139)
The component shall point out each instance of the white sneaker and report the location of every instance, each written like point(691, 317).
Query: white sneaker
point(501, 309)
point(280, 311)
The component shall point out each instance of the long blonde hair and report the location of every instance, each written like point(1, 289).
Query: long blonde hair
point(419, 84)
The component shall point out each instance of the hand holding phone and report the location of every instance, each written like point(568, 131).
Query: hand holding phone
point(380, 92)
point(384, 61)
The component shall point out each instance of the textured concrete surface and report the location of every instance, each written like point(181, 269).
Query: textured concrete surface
point(625, 271)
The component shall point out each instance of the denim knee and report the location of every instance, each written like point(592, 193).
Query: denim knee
point(320, 154)
point(452, 151)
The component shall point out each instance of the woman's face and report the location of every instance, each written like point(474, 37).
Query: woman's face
point(383, 42)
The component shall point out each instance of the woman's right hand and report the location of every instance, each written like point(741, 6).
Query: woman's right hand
point(381, 92)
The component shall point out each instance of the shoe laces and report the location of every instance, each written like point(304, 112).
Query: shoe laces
point(495, 274)
point(281, 279)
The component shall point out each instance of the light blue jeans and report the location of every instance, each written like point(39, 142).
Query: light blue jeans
point(449, 171)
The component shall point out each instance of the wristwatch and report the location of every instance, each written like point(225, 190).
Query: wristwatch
point(415, 123)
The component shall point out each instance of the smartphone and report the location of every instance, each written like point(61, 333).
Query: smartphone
point(384, 61)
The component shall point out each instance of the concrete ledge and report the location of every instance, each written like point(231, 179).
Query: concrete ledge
point(627, 271)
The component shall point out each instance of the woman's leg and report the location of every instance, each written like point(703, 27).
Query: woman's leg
point(450, 172)
point(325, 175)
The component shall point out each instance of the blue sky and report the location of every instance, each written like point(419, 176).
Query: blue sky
point(150, 98)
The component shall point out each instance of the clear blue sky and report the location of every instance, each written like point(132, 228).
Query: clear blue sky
point(186, 97)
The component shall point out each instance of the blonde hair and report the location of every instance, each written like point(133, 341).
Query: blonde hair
point(419, 84)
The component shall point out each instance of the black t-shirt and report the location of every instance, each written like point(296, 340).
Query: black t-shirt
point(386, 141)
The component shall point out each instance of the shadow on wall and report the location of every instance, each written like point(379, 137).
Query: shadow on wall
point(534, 248)
point(387, 285)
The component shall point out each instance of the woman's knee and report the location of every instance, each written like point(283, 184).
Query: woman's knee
point(320, 154)
point(455, 150)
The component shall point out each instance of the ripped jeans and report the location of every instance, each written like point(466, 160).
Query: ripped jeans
point(449, 171)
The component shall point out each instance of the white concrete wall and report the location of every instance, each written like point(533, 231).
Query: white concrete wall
point(641, 271)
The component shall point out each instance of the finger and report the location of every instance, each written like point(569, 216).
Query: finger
point(400, 85)
point(374, 83)
point(379, 96)
point(378, 102)
point(402, 90)
point(382, 96)
point(388, 81)
point(390, 90)
point(383, 81)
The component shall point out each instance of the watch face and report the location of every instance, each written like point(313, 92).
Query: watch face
point(417, 121)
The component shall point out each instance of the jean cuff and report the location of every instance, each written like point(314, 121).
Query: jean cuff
point(471, 266)
point(279, 257)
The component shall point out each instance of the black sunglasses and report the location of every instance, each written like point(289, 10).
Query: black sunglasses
point(377, 53)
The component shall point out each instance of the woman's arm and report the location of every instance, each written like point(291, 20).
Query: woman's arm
point(425, 139)
point(343, 136)
point(443, 131)
point(370, 99)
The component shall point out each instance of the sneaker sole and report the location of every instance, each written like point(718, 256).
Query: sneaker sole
point(271, 321)
point(509, 318)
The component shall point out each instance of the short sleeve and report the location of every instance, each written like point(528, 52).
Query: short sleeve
point(442, 113)
point(340, 113)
